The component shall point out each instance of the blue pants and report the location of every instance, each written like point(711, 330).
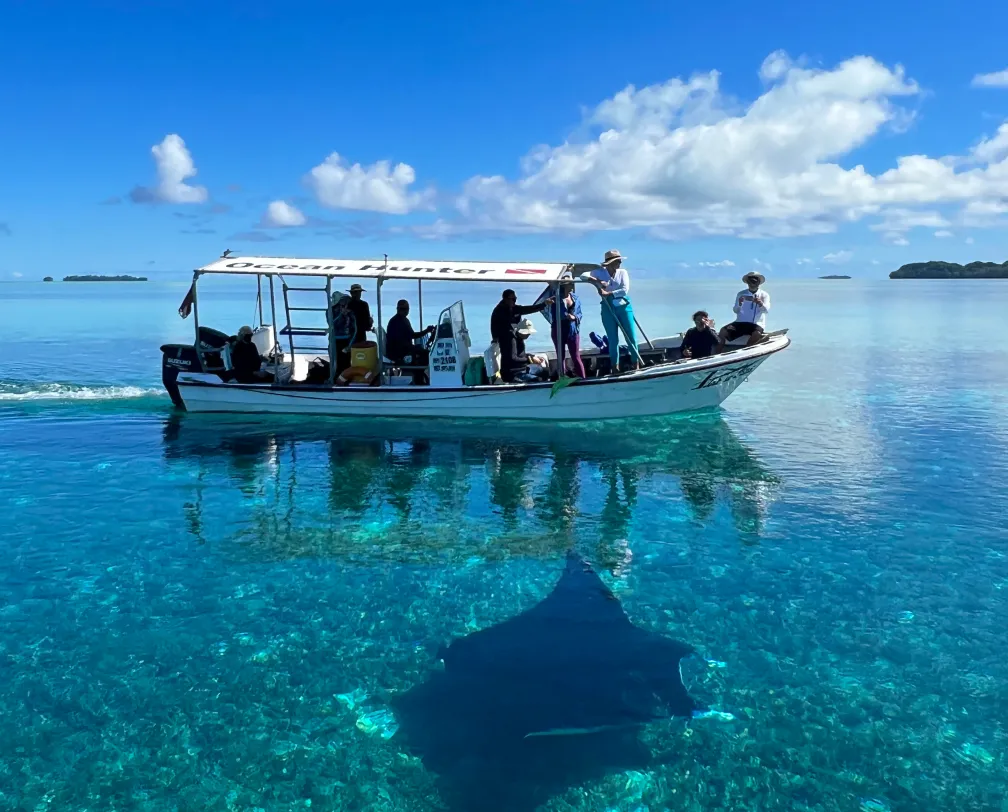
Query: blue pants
point(615, 315)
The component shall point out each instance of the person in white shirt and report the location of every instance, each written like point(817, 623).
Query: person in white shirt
point(751, 306)
point(617, 312)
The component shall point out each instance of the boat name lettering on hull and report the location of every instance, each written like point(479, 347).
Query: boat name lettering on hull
point(719, 377)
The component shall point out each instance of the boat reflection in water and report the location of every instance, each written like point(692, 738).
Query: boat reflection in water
point(392, 491)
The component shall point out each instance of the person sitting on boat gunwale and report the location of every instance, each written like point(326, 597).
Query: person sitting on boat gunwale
point(751, 306)
point(246, 362)
point(700, 341)
point(504, 322)
point(613, 283)
point(362, 314)
point(399, 338)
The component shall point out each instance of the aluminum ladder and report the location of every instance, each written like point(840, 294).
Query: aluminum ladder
point(311, 335)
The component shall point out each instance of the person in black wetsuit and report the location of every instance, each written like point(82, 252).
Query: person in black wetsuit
point(399, 337)
point(246, 362)
point(362, 313)
point(504, 323)
point(700, 340)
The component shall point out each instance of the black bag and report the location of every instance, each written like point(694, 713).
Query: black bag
point(318, 372)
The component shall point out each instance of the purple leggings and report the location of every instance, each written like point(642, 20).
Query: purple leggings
point(573, 353)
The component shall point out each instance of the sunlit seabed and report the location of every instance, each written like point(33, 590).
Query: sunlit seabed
point(206, 612)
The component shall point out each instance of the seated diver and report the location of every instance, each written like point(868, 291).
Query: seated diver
point(524, 373)
point(246, 362)
point(399, 338)
point(700, 341)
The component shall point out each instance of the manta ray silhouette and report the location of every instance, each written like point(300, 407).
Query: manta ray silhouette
point(551, 698)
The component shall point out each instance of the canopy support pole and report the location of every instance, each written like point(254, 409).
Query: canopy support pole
point(195, 313)
point(259, 297)
point(561, 367)
point(329, 329)
point(276, 335)
point(378, 327)
point(419, 294)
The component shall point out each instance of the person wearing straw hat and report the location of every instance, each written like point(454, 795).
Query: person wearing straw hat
point(362, 314)
point(617, 312)
point(751, 306)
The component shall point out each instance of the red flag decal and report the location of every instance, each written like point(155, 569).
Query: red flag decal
point(525, 270)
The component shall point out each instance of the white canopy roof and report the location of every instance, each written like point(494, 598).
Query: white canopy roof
point(396, 269)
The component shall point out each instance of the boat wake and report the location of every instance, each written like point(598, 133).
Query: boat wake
point(35, 391)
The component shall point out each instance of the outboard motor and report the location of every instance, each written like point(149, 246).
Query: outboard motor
point(176, 358)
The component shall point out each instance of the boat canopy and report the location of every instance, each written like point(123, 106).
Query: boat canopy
point(402, 269)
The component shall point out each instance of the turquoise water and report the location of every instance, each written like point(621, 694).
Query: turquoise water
point(210, 613)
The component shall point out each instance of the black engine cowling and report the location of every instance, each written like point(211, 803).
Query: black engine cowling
point(178, 358)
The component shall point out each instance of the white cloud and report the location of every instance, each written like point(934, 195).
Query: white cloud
point(17, 274)
point(803, 261)
point(969, 241)
point(280, 214)
point(724, 263)
point(992, 150)
point(174, 166)
point(838, 257)
point(901, 219)
point(681, 159)
point(682, 264)
point(999, 79)
point(943, 233)
point(775, 66)
point(897, 222)
point(379, 187)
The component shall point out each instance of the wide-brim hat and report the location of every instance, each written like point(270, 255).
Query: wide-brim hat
point(751, 274)
point(525, 326)
point(356, 286)
point(612, 256)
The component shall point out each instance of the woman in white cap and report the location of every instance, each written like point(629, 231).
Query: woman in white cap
point(751, 306)
point(617, 312)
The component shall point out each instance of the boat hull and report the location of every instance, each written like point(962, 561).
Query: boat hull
point(660, 390)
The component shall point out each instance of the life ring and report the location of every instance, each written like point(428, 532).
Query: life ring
point(357, 375)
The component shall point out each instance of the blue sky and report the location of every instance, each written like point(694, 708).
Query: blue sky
point(499, 115)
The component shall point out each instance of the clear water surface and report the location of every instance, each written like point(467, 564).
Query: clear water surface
point(212, 613)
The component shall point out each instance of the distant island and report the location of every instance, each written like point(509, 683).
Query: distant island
point(834, 276)
point(94, 278)
point(951, 270)
point(47, 279)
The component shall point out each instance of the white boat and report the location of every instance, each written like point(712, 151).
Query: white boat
point(197, 375)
